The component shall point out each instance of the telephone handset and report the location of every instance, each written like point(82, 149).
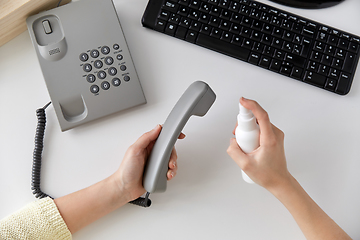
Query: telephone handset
point(196, 100)
point(85, 61)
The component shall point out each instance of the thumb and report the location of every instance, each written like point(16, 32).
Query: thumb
point(144, 141)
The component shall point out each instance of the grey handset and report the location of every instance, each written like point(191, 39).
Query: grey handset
point(196, 100)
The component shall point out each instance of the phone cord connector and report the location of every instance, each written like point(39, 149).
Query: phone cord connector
point(142, 202)
point(37, 155)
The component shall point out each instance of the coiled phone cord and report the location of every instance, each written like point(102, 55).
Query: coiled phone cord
point(142, 202)
point(37, 157)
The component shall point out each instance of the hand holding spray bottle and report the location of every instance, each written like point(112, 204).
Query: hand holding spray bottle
point(247, 134)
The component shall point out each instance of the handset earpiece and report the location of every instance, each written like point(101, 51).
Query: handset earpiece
point(196, 100)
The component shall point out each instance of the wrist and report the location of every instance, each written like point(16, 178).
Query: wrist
point(118, 195)
point(284, 186)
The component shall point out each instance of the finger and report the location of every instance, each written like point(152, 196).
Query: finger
point(260, 114)
point(181, 136)
point(170, 174)
point(147, 138)
point(233, 132)
point(173, 160)
point(236, 153)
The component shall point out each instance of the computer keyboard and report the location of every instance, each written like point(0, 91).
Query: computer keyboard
point(262, 35)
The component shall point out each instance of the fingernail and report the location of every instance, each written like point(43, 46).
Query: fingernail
point(244, 98)
point(172, 174)
point(174, 164)
point(156, 126)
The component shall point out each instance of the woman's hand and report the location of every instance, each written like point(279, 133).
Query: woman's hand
point(129, 176)
point(266, 165)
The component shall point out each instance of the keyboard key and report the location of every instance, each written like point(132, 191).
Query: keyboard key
point(326, 59)
point(171, 6)
point(223, 47)
point(296, 60)
point(205, 29)
point(237, 40)
point(254, 58)
point(313, 66)
point(343, 86)
point(227, 37)
point(316, 56)
point(306, 47)
point(330, 84)
point(285, 70)
point(343, 43)
point(296, 72)
point(170, 29)
point(337, 63)
point(349, 62)
point(334, 73)
point(333, 40)
point(275, 65)
point(324, 70)
point(308, 32)
point(248, 43)
point(264, 62)
point(216, 33)
point(314, 78)
point(354, 47)
point(269, 51)
point(191, 36)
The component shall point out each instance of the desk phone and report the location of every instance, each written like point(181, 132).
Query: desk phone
point(85, 61)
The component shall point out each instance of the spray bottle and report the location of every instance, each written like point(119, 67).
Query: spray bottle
point(247, 134)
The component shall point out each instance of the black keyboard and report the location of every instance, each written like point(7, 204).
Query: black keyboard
point(257, 33)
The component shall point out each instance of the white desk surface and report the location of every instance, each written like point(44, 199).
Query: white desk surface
point(208, 198)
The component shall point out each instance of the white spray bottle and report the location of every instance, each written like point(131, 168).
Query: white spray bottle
point(247, 134)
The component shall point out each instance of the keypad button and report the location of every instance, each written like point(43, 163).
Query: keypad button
point(101, 74)
point(112, 71)
point(94, 53)
point(119, 57)
point(123, 68)
point(127, 78)
point(116, 82)
point(105, 85)
point(315, 79)
point(94, 89)
point(90, 78)
point(116, 46)
point(330, 84)
point(109, 60)
point(105, 50)
point(98, 64)
point(87, 67)
point(84, 57)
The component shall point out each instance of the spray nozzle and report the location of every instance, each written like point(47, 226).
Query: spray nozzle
point(244, 111)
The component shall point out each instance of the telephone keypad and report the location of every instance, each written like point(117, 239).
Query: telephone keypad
point(102, 69)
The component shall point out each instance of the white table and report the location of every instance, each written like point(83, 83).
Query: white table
point(208, 198)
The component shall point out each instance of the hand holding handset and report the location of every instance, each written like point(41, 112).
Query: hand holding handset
point(196, 100)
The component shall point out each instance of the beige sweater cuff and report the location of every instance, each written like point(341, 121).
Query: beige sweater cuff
point(38, 220)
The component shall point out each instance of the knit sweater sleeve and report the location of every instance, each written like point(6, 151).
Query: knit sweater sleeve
point(37, 220)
